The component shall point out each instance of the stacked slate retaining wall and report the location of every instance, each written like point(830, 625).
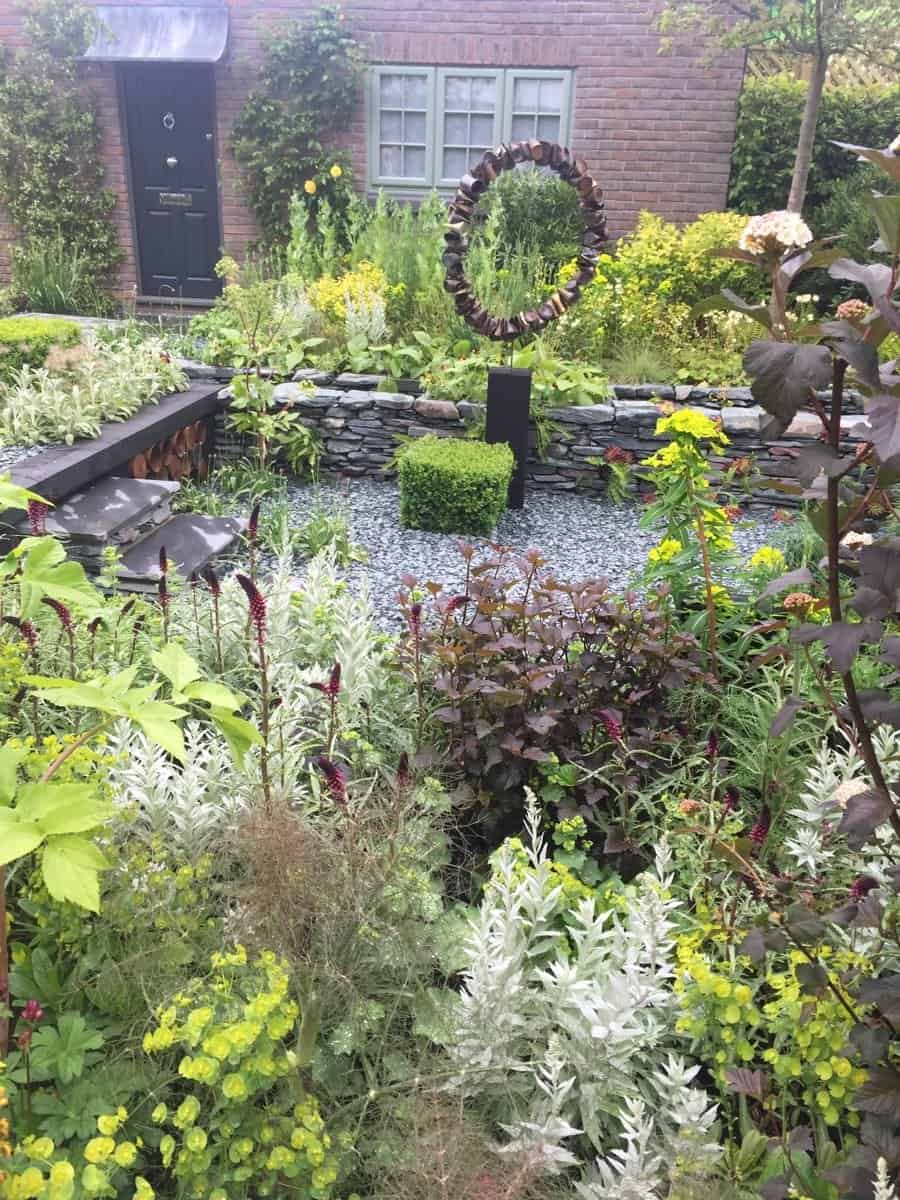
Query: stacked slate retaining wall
point(361, 429)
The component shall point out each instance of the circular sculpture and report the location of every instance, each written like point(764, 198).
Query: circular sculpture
point(462, 211)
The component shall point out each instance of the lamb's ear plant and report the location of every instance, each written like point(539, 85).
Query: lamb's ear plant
point(809, 367)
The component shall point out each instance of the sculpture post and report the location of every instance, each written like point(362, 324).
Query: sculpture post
point(508, 400)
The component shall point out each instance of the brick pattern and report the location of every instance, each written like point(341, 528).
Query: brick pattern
point(656, 130)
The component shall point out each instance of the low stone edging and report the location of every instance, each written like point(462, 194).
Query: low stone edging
point(361, 429)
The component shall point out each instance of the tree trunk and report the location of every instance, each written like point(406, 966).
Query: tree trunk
point(805, 141)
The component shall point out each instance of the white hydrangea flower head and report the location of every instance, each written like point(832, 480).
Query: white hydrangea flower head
point(894, 147)
point(854, 539)
point(775, 232)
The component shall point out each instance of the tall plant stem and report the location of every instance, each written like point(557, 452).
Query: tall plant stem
point(833, 543)
point(264, 720)
point(710, 598)
point(4, 968)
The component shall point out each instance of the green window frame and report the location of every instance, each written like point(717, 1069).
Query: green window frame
point(427, 125)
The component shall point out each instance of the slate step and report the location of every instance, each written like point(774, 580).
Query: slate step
point(190, 542)
point(113, 511)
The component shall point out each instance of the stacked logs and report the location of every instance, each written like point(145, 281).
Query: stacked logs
point(462, 211)
point(183, 455)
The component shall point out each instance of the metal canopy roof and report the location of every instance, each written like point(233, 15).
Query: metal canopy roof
point(159, 33)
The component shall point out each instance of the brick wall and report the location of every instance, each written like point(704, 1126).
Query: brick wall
point(656, 129)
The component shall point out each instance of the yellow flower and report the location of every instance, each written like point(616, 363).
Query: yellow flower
point(62, 1174)
point(234, 1087)
point(768, 558)
point(108, 1124)
point(695, 424)
point(30, 1182)
point(310, 187)
point(99, 1149)
point(335, 172)
point(667, 549)
point(125, 1154)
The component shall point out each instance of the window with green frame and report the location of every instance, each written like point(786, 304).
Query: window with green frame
point(427, 125)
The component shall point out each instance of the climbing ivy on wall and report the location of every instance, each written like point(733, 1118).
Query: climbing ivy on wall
point(51, 171)
point(307, 90)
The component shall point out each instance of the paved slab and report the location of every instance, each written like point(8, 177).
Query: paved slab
point(190, 542)
point(109, 511)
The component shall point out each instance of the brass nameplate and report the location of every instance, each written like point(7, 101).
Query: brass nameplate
point(175, 199)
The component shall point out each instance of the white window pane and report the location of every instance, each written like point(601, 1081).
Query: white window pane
point(522, 128)
point(391, 91)
point(551, 96)
point(548, 128)
point(456, 130)
point(416, 92)
point(414, 162)
point(481, 129)
point(525, 95)
point(456, 163)
point(391, 126)
point(456, 93)
point(390, 161)
point(414, 128)
point(484, 93)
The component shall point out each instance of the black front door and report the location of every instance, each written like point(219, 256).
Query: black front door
point(170, 114)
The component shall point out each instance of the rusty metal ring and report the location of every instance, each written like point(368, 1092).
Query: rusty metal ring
point(462, 211)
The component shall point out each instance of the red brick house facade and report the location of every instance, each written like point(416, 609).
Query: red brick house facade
point(655, 129)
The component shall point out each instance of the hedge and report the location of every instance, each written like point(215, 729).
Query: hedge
point(449, 485)
point(766, 138)
point(28, 340)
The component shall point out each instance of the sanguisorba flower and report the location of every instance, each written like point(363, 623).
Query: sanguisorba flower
point(37, 515)
point(760, 830)
point(774, 232)
point(310, 187)
point(335, 172)
point(32, 1012)
point(332, 687)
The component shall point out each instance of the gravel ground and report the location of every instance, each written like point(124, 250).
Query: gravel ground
point(580, 536)
point(10, 455)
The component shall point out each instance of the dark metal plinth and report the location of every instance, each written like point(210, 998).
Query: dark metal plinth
point(508, 399)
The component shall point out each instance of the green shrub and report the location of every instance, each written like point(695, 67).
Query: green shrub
point(26, 341)
point(538, 211)
point(766, 140)
point(453, 486)
point(50, 275)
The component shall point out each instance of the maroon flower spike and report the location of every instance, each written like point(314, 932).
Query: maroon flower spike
point(64, 614)
point(731, 799)
point(212, 582)
point(94, 626)
point(253, 523)
point(127, 607)
point(32, 1012)
point(163, 561)
point(30, 634)
point(752, 886)
point(256, 603)
point(335, 778)
point(861, 887)
point(414, 619)
point(455, 602)
point(194, 579)
point(404, 775)
point(23, 1041)
point(611, 723)
point(37, 515)
point(163, 593)
point(712, 745)
point(760, 830)
point(331, 689)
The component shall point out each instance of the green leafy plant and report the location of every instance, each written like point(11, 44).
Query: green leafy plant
point(244, 1121)
point(51, 276)
point(26, 341)
point(453, 486)
point(51, 171)
point(306, 92)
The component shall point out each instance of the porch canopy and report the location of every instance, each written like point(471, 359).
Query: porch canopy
point(159, 33)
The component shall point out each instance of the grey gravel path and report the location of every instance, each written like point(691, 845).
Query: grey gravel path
point(10, 455)
point(580, 536)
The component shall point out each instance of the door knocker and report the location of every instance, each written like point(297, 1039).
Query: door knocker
point(169, 121)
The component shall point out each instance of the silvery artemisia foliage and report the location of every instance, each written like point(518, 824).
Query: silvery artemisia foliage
point(819, 811)
point(884, 1189)
point(193, 807)
point(571, 1031)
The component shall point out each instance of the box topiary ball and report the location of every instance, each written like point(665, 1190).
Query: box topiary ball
point(450, 485)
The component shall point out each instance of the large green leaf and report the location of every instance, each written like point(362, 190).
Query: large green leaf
point(785, 376)
point(13, 496)
point(71, 867)
point(10, 759)
point(17, 838)
point(163, 731)
point(238, 733)
point(214, 694)
point(62, 807)
point(47, 572)
point(177, 666)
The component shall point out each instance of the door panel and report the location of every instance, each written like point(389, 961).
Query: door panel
point(170, 116)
